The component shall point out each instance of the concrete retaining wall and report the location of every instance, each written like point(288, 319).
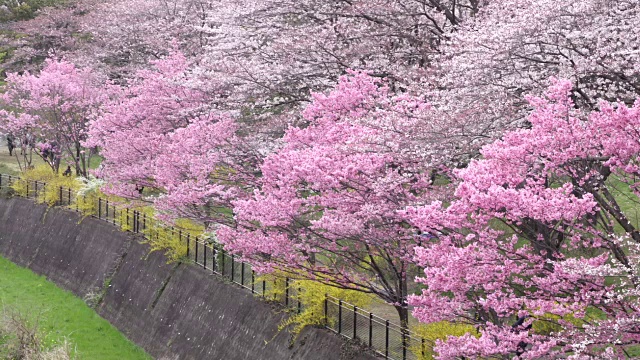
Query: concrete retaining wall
point(174, 311)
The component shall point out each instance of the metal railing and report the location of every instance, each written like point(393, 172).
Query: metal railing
point(384, 337)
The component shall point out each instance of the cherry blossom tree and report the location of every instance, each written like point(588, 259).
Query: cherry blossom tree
point(538, 250)
point(511, 48)
point(473, 65)
point(275, 52)
point(133, 127)
point(327, 205)
point(535, 233)
point(133, 32)
point(202, 169)
point(55, 32)
point(164, 134)
point(115, 38)
point(49, 112)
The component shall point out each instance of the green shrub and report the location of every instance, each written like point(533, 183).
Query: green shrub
point(437, 331)
point(550, 323)
point(163, 238)
point(312, 295)
point(44, 194)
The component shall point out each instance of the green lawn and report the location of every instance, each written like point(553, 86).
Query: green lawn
point(627, 200)
point(61, 315)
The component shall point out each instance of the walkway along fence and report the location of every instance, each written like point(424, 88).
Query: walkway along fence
point(385, 338)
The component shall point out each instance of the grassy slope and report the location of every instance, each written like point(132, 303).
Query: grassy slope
point(627, 200)
point(61, 315)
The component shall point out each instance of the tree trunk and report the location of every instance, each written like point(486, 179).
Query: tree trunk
point(79, 161)
point(403, 313)
point(403, 310)
point(57, 164)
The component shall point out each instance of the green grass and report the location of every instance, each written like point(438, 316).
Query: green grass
point(627, 200)
point(4, 169)
point(95, 161)
point(61, 315)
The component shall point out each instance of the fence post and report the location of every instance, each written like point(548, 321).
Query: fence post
point(339, 316)
point(188, 241)
point(386, 342)
point(253, 281)
point(370, 329)
point(100, 208)
point(275, 293)
point(195, 243)
point(61, 203)
point(204, 255)
point(299, 303)
point(326, 309)
point(233, 268)
point(286, 292)
point(222, 261)
point(214, 256)
point(242, 275)
point(423, 347)
point(264, 288)
point(355, 321)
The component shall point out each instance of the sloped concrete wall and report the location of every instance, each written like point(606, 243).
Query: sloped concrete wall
point(174, 311)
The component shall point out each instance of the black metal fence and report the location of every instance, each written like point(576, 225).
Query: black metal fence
point(385, 338)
